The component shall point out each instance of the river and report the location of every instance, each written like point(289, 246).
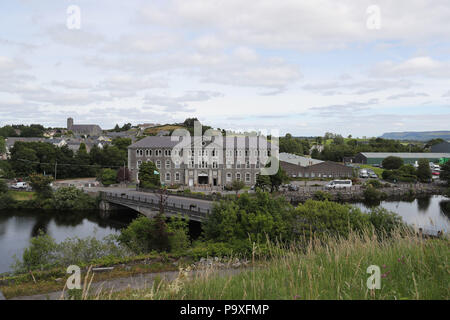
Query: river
point(16, 228)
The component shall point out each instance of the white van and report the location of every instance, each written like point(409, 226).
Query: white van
point(339, 184)
point(20, 185)
point(363, 173)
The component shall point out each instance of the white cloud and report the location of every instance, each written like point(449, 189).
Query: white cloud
point(418, 66)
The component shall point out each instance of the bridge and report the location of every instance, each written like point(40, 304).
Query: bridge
point(148, 204)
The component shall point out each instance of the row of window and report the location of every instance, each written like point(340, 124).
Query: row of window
point(201, 164)
point(320, 175)
point(214, 153)
point(229, 177)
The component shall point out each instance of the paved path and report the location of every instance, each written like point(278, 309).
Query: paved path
point(140, 281)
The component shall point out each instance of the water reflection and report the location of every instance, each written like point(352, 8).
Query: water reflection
point(432, 213)
point(423, 204)
point(17, 227)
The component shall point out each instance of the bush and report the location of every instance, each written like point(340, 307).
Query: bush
point(144, 235)
point(328, 218)
point(3, 186)
point(384, 221)
point(107, 177)
point(44, 253)
point(374, 183)
point(249, 217)
point(392, 163)
point(71, 198)
point(373, 195)
point(7, 201)
point(322, 195)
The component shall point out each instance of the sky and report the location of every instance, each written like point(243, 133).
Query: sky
point(350, 67)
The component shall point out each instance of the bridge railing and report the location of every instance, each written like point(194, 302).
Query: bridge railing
point(132, 199)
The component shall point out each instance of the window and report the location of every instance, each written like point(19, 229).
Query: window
point(228, 177)
point(158, 153)
point(158, 164)
point(147, 153)
point(167, 164)
point(168, 176)
point(214, 165)
point(177, 176)
point(177, 164)
point(229, 164)
point(238, 164)
point(238, 176)
point(246, 153)
point(247, 177)
point(139, 164)
point(247, 164)
point(167, 152)
point(139, 153)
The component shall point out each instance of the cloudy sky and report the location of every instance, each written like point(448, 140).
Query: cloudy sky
point(305, 67)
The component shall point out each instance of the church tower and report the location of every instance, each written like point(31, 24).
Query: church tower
point(69, 123)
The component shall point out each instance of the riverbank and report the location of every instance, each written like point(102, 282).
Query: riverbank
point(393, 192)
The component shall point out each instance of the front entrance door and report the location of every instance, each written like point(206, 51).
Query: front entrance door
point(214, 181)
point(202, 180)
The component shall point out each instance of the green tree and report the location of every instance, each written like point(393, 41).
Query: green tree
point(263, 182)
point(424, 171)
point(144, 235)
point(276, 180)
point(149, 175)
point(237, 185)
point(41, 185)
point(392, 163)
point(445, 172)
point(71, 198)
point(2, 145)
point(253, 217)
point(107, 176)
point(3, 186)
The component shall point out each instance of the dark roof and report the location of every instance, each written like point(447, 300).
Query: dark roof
point(441, 147)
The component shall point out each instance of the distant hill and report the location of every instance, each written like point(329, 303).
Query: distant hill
point(416, 135)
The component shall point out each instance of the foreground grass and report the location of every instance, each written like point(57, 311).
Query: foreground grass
point(411, 268)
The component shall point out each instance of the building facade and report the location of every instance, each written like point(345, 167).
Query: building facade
point(217, 162)
point(323, 169)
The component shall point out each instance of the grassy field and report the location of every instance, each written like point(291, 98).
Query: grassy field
point(155, 130)
point(411, 268)
point(377, 170)
point(22, 195)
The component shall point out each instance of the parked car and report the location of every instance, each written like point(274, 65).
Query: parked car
point(20, 186)
point(293, 187)
point(339, 184)
point(363, 173)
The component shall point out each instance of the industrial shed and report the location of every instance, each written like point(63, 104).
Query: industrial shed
point(408, 158)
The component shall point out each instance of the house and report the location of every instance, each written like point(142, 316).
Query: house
point(215, 162)
point(303, 167)
point(441, 147)
point(376, 158)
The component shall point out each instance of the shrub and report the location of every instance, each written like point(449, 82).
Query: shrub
point(325, 217)
point(3, 186)
point(7, 201)
point(71, 198)
point(424, 171)
point(322, 195)
point(374, 183)
point(249, 217)
point(384, 221)
point(144, 235)
point(373, 195)
point(392, 163)
point(107, 177)
point(40, 254)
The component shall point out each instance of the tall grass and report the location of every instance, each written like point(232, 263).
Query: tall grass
point(411, 267)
